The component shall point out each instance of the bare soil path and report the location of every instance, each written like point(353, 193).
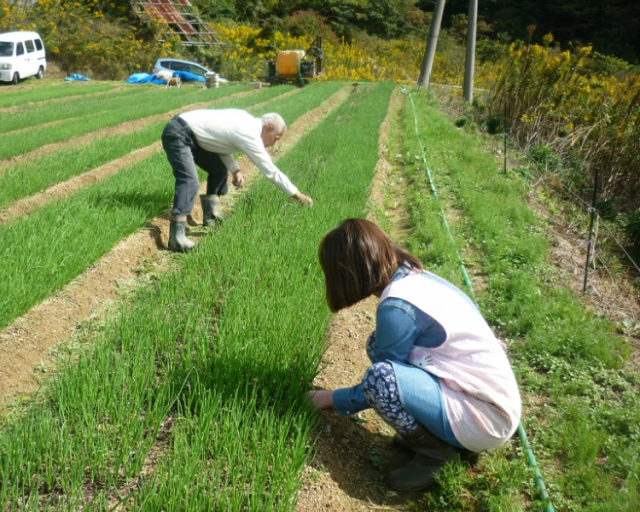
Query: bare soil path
point(351, 455)
point(24, 344)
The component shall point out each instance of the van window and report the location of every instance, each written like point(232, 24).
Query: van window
point(19, 49)
point(38, 44)
point(166, 64)
point(6, 49)
point(30, 47)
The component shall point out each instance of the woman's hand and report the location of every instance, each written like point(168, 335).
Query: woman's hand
point(321, 398)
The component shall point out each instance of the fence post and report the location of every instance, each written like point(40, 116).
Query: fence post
point(593, 214)
point(505, 131)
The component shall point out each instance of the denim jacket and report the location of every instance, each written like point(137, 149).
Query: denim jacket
point(399, 326)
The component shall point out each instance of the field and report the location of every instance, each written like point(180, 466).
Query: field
point(137, 379)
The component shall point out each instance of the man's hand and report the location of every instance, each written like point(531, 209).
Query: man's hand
point(303, 199)
point(238, 179)
point(321, 399)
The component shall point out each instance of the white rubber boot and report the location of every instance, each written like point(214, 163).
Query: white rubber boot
point(178, 241)
point(210, 213)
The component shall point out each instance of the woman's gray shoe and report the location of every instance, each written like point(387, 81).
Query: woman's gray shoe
point(401, 444)
point(178, 241)
point(432, 454)
point(210, 213)
point(465, 455)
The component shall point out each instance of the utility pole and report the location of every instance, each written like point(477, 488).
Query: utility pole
point(432, 41)
point(471, 51)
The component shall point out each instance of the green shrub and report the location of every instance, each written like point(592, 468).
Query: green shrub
point(544, 157)
point(606, 208)
point(633, 228)
point(493, 124)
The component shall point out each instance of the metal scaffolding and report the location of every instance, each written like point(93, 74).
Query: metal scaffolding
point(181, 19)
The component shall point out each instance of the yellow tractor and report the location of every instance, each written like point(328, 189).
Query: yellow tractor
point(297, 66)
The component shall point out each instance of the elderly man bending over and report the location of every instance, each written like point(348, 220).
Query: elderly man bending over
point(208, 138)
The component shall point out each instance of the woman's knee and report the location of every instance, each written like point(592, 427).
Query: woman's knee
point(379, 382)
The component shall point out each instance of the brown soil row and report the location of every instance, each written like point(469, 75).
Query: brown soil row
point(23, 344)
point(120, 129)
point(350, 454)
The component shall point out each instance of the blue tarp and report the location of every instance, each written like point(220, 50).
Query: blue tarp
point(145, 78)
point(185, 76)
point(77, 78)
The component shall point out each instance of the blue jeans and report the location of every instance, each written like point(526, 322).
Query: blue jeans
point(405, 396)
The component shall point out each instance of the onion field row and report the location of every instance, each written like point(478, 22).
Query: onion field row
point(44, 93)
point(218, 354)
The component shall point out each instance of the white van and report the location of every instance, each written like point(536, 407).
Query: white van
point(21, 55)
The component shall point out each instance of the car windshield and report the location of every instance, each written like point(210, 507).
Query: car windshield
point(6, 49)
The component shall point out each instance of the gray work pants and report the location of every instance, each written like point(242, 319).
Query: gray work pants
point(184, 153)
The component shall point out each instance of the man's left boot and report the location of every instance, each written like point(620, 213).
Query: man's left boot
point(210, 213)
point(431, 454)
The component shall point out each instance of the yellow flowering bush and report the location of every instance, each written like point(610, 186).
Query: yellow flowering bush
point(554, 98)
point(367, 59)
point(82, 41)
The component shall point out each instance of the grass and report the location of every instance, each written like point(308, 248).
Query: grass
point(44, 93)
point(581, 407)
point(225, 347)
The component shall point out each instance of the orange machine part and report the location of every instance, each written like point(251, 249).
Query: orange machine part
point(287, 63)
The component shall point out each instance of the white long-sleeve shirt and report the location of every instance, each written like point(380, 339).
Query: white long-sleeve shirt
point(229, 130)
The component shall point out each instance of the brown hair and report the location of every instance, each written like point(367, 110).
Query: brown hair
point(359, 259)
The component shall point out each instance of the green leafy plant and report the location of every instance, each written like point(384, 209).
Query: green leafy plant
point(633, 228)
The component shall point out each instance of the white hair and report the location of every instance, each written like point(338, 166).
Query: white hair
point(275, 120)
